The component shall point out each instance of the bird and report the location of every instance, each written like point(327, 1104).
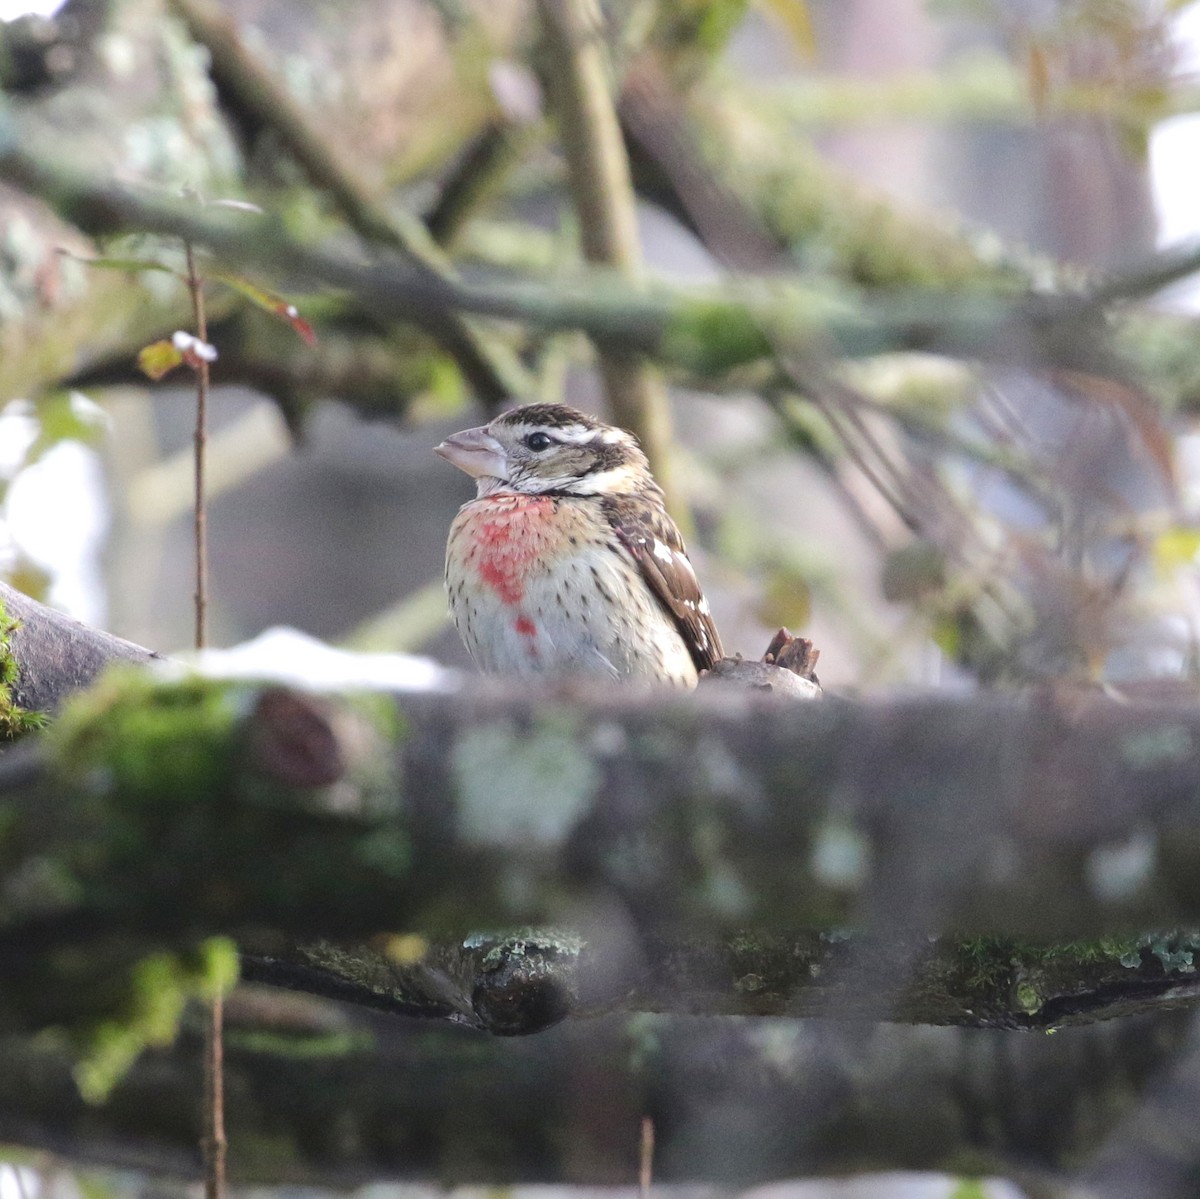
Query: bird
point(567, 563)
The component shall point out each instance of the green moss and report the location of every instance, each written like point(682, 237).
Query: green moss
point(14, 720)
point(711, 337)
point(986, 963)
point(157, 990)
point(146, 739)
point(1028, 998)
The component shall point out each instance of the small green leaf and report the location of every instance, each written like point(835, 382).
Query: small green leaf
point(158, 359)
point(947, 636)
point(126, 265)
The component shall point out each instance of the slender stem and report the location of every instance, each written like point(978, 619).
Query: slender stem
point(214, 1070)
point(200, 445)
point(646, 1158)
point(215, 1144)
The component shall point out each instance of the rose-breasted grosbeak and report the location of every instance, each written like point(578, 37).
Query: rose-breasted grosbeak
point(567, 562)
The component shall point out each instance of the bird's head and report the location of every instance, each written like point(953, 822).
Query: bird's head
point(544, 448)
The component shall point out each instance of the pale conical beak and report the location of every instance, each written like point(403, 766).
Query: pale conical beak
point(477, 452)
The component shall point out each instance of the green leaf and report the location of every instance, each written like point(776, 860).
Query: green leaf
point(157, 989)
point(947, 636)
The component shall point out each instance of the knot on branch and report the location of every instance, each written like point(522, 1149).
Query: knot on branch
point(523, 987)
point(293, 740)
point(787, 668)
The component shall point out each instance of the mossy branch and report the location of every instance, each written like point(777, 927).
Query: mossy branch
point(706, 332)
point(194, 808)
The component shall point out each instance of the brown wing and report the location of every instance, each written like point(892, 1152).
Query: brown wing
point(650, 535)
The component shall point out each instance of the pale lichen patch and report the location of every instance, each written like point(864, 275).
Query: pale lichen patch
point(515, 785)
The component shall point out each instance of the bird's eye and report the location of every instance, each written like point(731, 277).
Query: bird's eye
point(538, 442)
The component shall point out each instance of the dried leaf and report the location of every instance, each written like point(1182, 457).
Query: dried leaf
point(270, 302)
point(1143, 414)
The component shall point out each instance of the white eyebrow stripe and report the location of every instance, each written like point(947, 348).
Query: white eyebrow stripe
point(572, 434)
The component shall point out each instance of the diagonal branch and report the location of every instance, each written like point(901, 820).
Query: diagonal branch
point(241, 76)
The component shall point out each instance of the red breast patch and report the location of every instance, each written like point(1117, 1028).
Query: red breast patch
point(509, 543)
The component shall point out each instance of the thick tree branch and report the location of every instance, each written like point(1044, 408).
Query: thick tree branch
point(657, 830)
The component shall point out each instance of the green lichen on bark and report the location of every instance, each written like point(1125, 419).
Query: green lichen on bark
point(15, 721)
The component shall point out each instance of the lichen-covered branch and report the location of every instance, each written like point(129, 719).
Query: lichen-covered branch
point(716, 151)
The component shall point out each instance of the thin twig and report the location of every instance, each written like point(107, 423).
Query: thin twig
point(215, 1143)
point(214, 1074)
point(646, 1158)
point(478, 172)
point(602, 190)
point(200, 445)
